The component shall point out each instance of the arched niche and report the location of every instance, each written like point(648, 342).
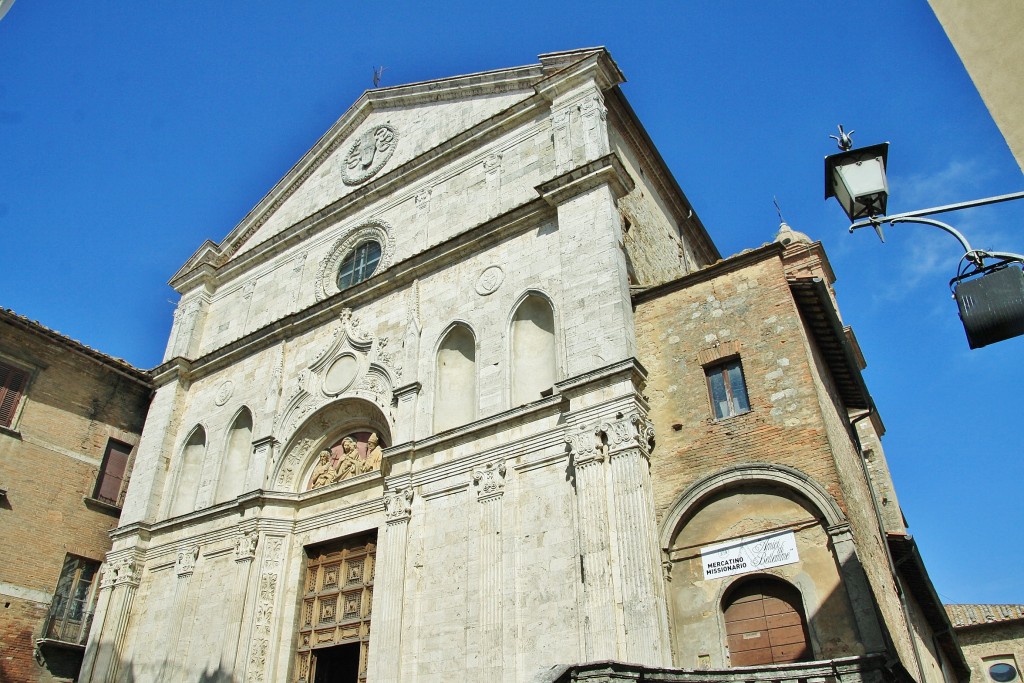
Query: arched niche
point(325, 429)
point(190, 467)
point(455, 393)
point(235, 462)
point(731, 507)
point(533, 350)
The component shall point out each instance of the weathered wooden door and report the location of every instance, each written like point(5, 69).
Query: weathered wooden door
point(764, 624)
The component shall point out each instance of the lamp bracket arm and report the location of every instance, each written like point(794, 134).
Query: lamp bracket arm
point(946, 208)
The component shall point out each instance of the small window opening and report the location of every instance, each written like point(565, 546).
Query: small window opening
point(360, 264)
point(727, 389)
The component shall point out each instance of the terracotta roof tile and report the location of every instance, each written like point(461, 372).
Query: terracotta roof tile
point(979, 615)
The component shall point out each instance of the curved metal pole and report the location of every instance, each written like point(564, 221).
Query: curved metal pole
point(937, 224)
point(973, 255)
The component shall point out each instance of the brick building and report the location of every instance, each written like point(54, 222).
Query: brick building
point(992, 637)
point(69, 420)
point(475, 374)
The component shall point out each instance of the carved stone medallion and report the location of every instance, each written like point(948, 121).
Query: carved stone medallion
point(224, 391)
point(490, 280)
point(368, 153)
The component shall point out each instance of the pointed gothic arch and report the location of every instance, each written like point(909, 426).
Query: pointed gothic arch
point(235, 456)
point(191, 455)
point(455, 378)
point(532, 348)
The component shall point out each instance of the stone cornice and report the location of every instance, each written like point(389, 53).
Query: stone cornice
point(606, 170)
point(625, 121)
point(735, 262)
point(511, 223)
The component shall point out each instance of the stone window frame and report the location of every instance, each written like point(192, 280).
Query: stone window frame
point(375, 230)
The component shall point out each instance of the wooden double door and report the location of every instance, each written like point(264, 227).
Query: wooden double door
point(765, 624)
point(334, 625)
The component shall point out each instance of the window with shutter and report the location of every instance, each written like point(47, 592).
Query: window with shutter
point(12, 387)
point(110, 483)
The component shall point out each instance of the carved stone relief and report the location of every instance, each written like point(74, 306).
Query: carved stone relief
point(489, 281)
point(121, 570)
point(224, 391)
point(263, 618)
point(355, 458)
point(245, 545)
point(368, 153)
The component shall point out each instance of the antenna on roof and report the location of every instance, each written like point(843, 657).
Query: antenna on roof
point(775, 201)
point(378, 73)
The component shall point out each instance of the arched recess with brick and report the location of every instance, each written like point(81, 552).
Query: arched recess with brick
point(728, 514)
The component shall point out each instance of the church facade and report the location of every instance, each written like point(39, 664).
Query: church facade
point(471, 395)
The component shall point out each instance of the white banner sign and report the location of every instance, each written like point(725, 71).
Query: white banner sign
point(749, 554)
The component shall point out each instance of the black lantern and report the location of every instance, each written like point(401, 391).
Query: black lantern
point(856, 178)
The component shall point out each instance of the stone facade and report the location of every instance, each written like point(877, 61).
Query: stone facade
point(495, 279)
point(56, 514)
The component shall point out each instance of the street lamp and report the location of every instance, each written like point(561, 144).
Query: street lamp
point(988, 285)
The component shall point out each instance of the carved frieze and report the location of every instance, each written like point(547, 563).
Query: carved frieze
point(398, 505)
point(368, 153)
point(489, 480)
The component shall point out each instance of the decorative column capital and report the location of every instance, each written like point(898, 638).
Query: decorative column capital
point(626, 432)
point(245, 545)
point(185, 564)
point(398, 505)
point(489, 480)
point(585, 445)
point(120, 570)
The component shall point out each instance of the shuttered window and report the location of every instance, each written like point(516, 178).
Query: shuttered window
point(110, 483)
point(12, 386)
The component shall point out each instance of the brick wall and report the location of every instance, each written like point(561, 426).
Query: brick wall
point(49, 463)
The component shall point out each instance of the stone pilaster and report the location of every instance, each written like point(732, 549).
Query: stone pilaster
point(405, 418)
point(489, 483)
point(245, 553)
point(184, 566)
point(599, 628)
point(385, 660)
point(645, 620)
point(264, 451)
point(260, 653)
point(857, 587)
point(105, 654)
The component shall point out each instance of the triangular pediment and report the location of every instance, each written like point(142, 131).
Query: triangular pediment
point(384, 129)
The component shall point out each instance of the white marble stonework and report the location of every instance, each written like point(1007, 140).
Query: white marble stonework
point(520, 537)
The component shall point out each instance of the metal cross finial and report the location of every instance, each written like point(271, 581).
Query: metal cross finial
point(378, 74)
point(775, 201)
point(844, 139)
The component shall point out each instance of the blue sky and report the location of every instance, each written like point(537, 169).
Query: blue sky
point(132, 132)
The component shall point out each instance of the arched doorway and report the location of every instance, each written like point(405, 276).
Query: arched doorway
point(765, 623)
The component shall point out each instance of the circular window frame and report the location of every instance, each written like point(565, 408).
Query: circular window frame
point(374, 230)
